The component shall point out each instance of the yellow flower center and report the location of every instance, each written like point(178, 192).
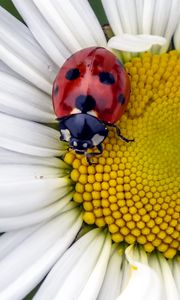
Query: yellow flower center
point(134, 189)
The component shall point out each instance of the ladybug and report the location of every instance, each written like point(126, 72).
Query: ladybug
point(90, 93)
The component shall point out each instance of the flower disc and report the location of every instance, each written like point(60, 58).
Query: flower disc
point(134, 189)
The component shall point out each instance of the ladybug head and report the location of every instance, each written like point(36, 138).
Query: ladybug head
point(82, 131)
point(80, 146)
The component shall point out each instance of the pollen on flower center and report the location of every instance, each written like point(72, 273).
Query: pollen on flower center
point(134, 189)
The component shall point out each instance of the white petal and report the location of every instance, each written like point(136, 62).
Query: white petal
point(139, 12)
point(57, 15)
point(135, 43)
point(154, 264)
point(12, 239)
point(173, 20)
point(111, 286)
point(93, 285)
point(137, 255)
point(176, 273)
point(73, 18)
point(7, 70)
point(20, 51)
point(177, 37)
point(25, 196)
point(16, 173)
point(28, 137)
point(126, 272)
point(82, 267)
point(147, 16)
point(169, 284)
point(51, 15)
point(169, 287)
point(127, 15)
point(165, 20)
point(143, 284)
point(112, 14)
point(10, 157)
point(41, 30)
point(19, 172)
point(83, 7)
point(24, 101)
point(33, 258)
point(41, 215)
point(160, 17)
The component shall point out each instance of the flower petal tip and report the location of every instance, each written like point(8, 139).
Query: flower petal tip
point(135, 43)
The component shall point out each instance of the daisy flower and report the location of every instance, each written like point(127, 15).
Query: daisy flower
point(109, 230)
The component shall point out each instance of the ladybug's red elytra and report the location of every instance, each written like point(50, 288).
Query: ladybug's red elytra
point(90, 93)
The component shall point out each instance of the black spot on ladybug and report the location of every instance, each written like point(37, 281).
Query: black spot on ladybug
point(85, 103)
point(72, 74)
point(106, 78)
point(56, 90)
point(121, 99)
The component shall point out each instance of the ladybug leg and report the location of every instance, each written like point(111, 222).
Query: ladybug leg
point(89, 155)
point(119, 133)
point(125, 139)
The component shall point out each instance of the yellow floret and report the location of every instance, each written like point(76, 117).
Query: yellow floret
point(83, 179)
point(113, 228)
point(89, 218)
point(117, 237)
point(75, 175)
point(134, 188)
point(87, 196)
point(100, 222)
point(78, 197)
point(76, 163)
point(130, 239)
point(88, 206)
point(69, 157)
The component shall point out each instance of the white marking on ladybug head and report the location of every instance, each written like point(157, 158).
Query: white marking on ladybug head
point(66, 135)
point(75, 111)
point(92, 113)
point(97, 139)
point(85, 145)
point(75, 143)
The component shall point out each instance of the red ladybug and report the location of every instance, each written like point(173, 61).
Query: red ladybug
point(91, 91)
